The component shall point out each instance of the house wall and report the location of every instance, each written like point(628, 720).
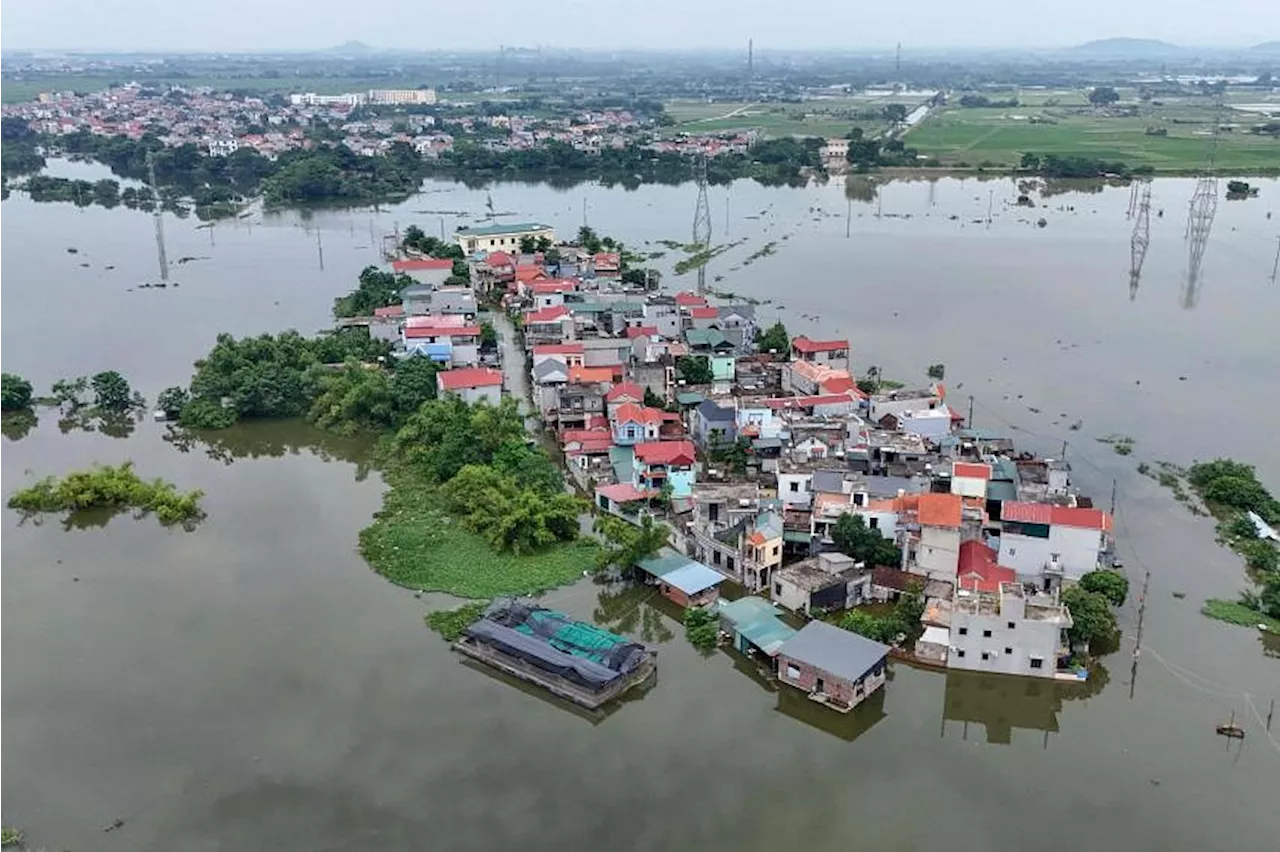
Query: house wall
point(1077, 550)
point(969, 486)
point(434, 277)
point(626, 434)
point(805, 677)
point(607, 357)
point(938, 553)
point(1025, 640)
point(896, 407)
point(788, 595)
point(793, 489)
point(548, 300)
point(932, 425)
point(474, 395)
point(682, 482)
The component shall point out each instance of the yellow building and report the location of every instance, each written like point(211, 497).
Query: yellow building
point(501, 237)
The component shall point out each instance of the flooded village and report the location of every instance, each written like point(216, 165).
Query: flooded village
point(796, 497)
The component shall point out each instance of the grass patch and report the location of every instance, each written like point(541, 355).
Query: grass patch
point(700, 258)
point(414, 542)
point(1234, 612)
point(450, 623)
point(10, 837)
point(1122, 444)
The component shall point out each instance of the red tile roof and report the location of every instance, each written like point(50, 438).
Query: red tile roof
point(580, 375)
point(704, 313)
point(806, 346)
point(665, 452)
point(469, 377)
point(940, 510)
point(632, 413)
point(554, 285)
point(389, 311)
point(625, 390)
point(970, 470)
point(558, 349)
point(498, 258)
point(634, 331)
point(607, 260)
point(687, 299)
point(529, 272)
point(784, 402)
point(839, 384)
point(551, 314)
point(623, 492)
point(977, 568)
point(416, 331)
point(420, 264)
point(1044, 513)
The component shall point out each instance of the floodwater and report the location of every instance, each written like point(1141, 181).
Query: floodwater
point(253, 685)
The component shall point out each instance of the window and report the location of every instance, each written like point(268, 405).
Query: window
point(1036, 663)
point(715, 557)
point(986, 634)
point(875, 523)
point(985, 656)
point(964, 631)
point(1013, 551)
point(793, 672)
point(1012, 625)
point(1008, 651)
point(960, 653)
point(777, 588)
point(775, 550)
point(729, 562)
point(795, 487)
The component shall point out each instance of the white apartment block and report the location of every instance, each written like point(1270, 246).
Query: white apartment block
point(1012, 631)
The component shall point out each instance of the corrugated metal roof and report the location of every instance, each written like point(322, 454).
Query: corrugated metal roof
point(841, 652)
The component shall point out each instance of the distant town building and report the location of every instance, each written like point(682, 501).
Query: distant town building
point(402, 96)
point(474, 238)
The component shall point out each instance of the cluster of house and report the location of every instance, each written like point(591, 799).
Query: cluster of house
point(756, 466)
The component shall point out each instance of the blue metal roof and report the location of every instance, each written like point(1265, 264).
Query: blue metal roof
point(755, 619)
point(693, 578)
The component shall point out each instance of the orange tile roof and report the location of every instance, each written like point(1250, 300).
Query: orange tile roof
point(579, 375)
point(940, 510)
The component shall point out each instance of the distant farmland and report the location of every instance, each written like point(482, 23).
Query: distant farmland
point(998, 138)
point(818, 117)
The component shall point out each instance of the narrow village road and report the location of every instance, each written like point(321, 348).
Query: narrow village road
point(514, 378)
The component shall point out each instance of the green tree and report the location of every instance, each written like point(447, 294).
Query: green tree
point(1112, 585)
point(627, 543)
point(376, 289)
point(1103, 95)
point(528, 245)
point(488, 337)
point(1092, 620)
point(172, 400)
point(69, 393)
point(1030, 162)
point(512, 518)
point(588, 240)
point(775, 340)
point(1239, 492)
point(15, 392)
point(695, 369)
point(897, 113)
point(701, 628)
point(352, 399)
point(412, 383)
point(444, 435)
point(110, 391)
point(878, 628)
point(854, 538)
point(543, 245)
point(936, 372)
point(652, 400)
point(1259, 554)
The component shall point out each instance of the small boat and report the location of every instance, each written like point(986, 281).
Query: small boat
point(1230, 729)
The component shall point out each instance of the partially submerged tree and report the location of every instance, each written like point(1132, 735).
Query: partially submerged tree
point(775, 340)
point(15, 392)
point(628, 543)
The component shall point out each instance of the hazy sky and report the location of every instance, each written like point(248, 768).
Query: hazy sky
point(601, 24)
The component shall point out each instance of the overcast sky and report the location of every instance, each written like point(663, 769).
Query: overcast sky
point(602, 24)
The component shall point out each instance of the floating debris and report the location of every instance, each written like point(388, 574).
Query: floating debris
point(72, 250)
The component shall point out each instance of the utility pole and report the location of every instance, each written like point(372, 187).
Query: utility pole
point(1271, 713)
point(848, 219)
point(702, 219)
point(991, 199)
point(1140, 238)
point(1064, 451)
point(969, 423)
point(1276, 265)
point(1113, 498)
point(162, 256)
point(1137, 644)
point(584, 211)
point(319, 248)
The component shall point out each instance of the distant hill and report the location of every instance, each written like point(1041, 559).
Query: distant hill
point(1127, 48)
point(1267, 48)
point(350, 48)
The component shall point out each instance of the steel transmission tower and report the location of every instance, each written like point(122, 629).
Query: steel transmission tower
point(159, 220)
point(1200, 213)
point(1141, 236)
point(702, 219)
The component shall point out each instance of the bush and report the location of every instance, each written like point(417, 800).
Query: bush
point(106, 487)
point(450, 623)
point(110, 391)
point(701, 628)
point(1112, 585)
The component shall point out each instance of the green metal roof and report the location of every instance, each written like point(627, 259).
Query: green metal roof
point(756, 620)
point(622, 460)
point(1001, 490)
point(496, 230)
point(705, 337)
point(689, 398)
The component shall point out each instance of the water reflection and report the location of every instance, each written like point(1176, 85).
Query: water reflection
point(1200, 215)
point(113, 424)
point(1140, 210)
point(274, 439)
point(847, 726)
point(16, 425)
point(636, 609)
point(1001, 703)
point(861, 188)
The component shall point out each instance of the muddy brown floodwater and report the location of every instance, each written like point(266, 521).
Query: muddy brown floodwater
point(253, 685)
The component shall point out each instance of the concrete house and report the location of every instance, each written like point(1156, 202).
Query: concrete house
point(835, 667)
point(828, 581)
point(753, 626)
point(1047, 544)
point(660, 462)
point(472, 384)
point(1009, 630)
point(623, 393)
point(713, 424)
point(936, 551)
point(425, 270)
point(436, 338)
point(832, 353)
point(635, 424)
point(549, 325)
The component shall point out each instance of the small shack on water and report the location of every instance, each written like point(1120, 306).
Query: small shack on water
point(835, 667)
point(572, 659)
point(753, 626)
point(682, 580)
